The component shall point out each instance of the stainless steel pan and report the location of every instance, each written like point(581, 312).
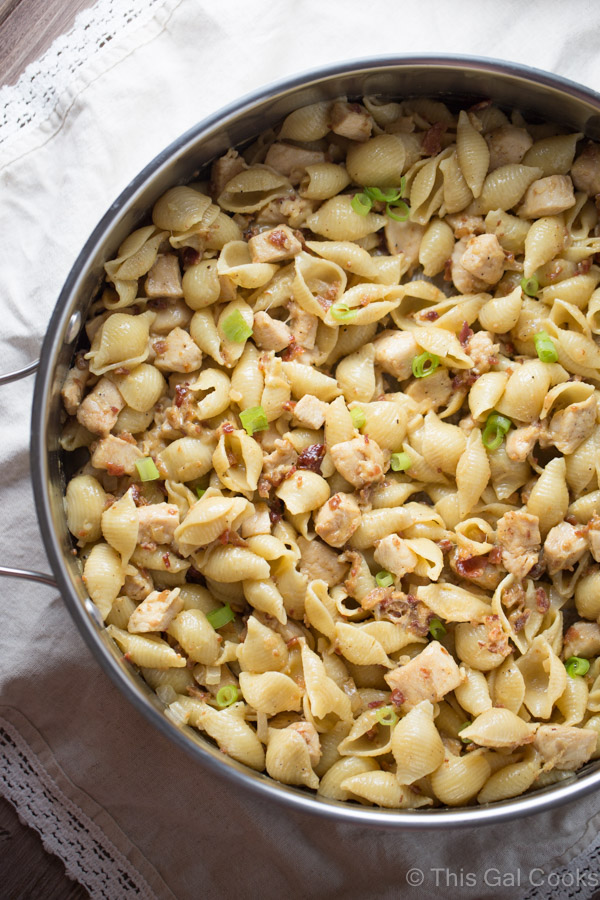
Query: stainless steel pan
point(452, 78)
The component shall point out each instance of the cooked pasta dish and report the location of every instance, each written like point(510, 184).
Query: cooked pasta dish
point(337, 470)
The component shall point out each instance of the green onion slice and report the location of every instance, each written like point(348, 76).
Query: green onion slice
point(361, 204)
point(425, 364)
point(577, 665)
point(147, 469)
point(545, 347)
point(201, 492)
point(496, 428)
point(465, 740)
point(227, 696)
point(221, 616)
point(388, 195)
point(399, 211)
point(235, 327)
point(254, 419)
point(341, 312)
point(400, 462)
point(530, 286)
point(384, 578)
point(385, 715)
point(358, 417)
point(437, 629)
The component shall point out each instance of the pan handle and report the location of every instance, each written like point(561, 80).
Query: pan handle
point(19, 373)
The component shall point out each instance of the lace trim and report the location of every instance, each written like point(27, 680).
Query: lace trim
point(87, 853)
point(578, 880)
point(100, 37)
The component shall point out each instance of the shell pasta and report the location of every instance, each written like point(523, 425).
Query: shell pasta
point(341, 503)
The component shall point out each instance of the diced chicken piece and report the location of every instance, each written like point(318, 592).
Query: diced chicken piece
point(310, 734)
point(521, 441)
point(294, 209)
point(432, 392)
point(269, 333)
point(508, 145)
point(310, 411)
point(464, 281)
point(483, 351)
point(585, 171)
point(277, 466)
point(138, 585)
point(164, 278)
point(564, 546)
point(177, 352)
point(394, 554)
point(224, 169)
point(518, 535)
point(594, 536)
point(351, 120)
point(158, 522)
point(156, 612)
point(484, 258)
point(115, 455)
point(494, 639)
point(360, 461)
point(465, 225)
point(564, 747)
point(318, 561)
point(274, 245)
point(404, 238)
point(394, 352)
point(258, 523)
point(288, 160)
point(338, 519)
point(431, 675)
point(74, 386)
point(547, 197)
point(569, 427)
point(100, 410)
point(303, 326)
point(582, 639)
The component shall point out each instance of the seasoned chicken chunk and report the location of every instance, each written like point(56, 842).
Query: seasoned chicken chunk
point(156, 612)
point(582, 639)
point(269, 333)
point(484, 258)
point(360, 461)
point(274, 245)
point(338, 519)
point(224, 169)
point(569, 427)
point(177, 352)
point(318, 561)
point(351, 120)
point(563, 746)
point(115, 455)
point(292, 161)
point(138, 584)
point(158, 522)
point(431, 675)
point(547, 197)
point(585, 171)
point(464, 281)
point(564, 546)
point(594, 536)
point(394, 352)
point(303, 326)
point(521, 441)
point(164, 278)
point(394, 554)
point(483, 351)
point(276, 466)
point(518, 535)
point(508, 145)
point(100, 410)
point(310, 411)
point(74, 386)
point(465, 225)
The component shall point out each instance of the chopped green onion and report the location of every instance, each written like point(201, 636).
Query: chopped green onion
point(530, 286)
point(465, 740)
point(576, 665)
point(221, 616)
point(341, 312)
point(425, 364)
point(545, 347)
point(235, 327)
point(227, 695)
point(358, 417)
point(361, 204)
point(399, 211)
point(400, 462)
point(384, 578)
point(254, 419)
point(496, 428)
point(385, 715)
point(436, 629)
point(147, 469)
point(386, 196)
point(201, 492)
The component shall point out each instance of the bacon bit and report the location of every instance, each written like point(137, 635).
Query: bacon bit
point(376, 704)
point(371, 734)
point(300, 237)
point(293, 642)
point(278, 238)
point(122, 370)
point(311, 458)
point(292, 350)
point(584, 266)
point(115, 469)
point(224, 536)
point(431, 315)
point(472, 567)
point(335, 501)
point(495, 556)
point(158, 303)
point(327, 297)
point(189, 257)
point(231, 458)
point(181, 392)
point(465, 333)
point(542, 601)
point(432, 142)
point(445, 545)
point(571, 520)
point(538, 570)
point(518, 620)
point(290, 405)
point(159, 346)
point(275, 510)
point(166, 560)
point(448, 270)
point(227, 428)
point(464, 380)
point(397, 697)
